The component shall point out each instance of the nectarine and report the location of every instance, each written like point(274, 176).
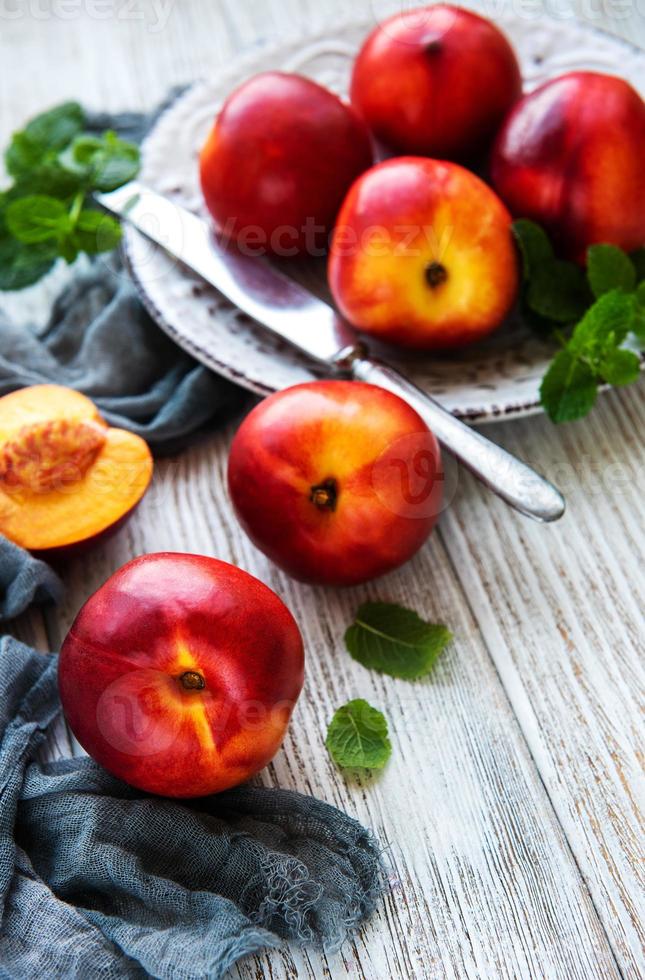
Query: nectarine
point(180, 674)
point(337, 482)
point(423, 255)
point(278, 162)
point(571, 157)
point(436, 82)
point(66, 477)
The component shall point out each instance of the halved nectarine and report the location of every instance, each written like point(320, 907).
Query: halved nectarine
point(66, 477)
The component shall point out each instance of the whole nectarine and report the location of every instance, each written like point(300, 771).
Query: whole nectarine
point(436, 81)
point(180, 674)
point(571, 157)
point(337, 482)
point(423, 255)
point(278, 162)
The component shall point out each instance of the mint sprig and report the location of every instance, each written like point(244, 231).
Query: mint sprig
point(395, 641)
point(357, 737)
point(47, 214)
point(608, 268)
point(597, 316)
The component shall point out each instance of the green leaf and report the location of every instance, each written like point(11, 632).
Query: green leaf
point(23, 155)
point(638, 261)
point(569, 388)
point(608, 267)
point(620, 366)
point(558, 291)
point(395, 641)
point(357, 737)
point(605, 324)
point(57, 127)
point(96, 232)
point(23, 265)
point(534, 245)
point(47, 177)
point(37, 218)
point(638, 326)
point(104, 163)
point(54, 166)
point(33, 150)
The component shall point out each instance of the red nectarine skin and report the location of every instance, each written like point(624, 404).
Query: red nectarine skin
point(337, 482)
point(571, 157)
point(180, 674)
point(279, 160)
point(423, 255)
point(436, 81)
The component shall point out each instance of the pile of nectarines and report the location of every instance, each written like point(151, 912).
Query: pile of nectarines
point(421, 250)
point(420, 254)
point(337, 482)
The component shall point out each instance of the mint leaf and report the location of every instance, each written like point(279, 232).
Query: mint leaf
point(608, 267)
point(104, 163)
point(42, 215)
point(31, 156)
point(23, 265)
point(569, 388)
point(46, 176)
point(638, 261)
point(96, 232)
point(23, 155)
point(558, 294)
point(357, 737)
point(638, 325)
point(620, 366)
point(558, 291)
point(37, 218)
point(604, 325)
point(57, 127)
point(535, 247)
point(395, 641)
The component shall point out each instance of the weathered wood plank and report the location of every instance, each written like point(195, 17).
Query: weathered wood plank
point(483, 883)
point(483, 880)
point(561, 612)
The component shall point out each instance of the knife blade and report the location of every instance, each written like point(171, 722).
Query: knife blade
point(289, 310)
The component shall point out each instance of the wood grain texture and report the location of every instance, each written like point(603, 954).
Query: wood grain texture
point(483, 882)
point(511, 807)
point(561, 612)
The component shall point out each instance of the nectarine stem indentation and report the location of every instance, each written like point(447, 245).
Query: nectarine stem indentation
point(325, 495)
point(436, 274)
point(192, 680)
point(432, 43)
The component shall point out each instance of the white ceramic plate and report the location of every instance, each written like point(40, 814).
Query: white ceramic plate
point(498, 378)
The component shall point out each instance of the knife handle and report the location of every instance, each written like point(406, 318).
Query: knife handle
point(508, 477)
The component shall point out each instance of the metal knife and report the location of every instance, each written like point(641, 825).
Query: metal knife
point(306, 322)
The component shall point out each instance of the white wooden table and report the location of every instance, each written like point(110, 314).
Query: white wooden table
point(511, 805)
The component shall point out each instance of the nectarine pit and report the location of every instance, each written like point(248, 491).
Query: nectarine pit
point(325, 495)
point(436, 274)
point(192, 680)
point(46, 456)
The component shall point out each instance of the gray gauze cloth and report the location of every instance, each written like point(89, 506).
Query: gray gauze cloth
point(24, 580)
point(100, 340)
point(100, 880)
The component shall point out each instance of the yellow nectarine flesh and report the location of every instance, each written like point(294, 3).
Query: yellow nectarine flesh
point(66, 477)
